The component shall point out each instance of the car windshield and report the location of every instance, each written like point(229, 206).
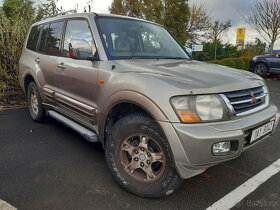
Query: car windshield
point(134, 39)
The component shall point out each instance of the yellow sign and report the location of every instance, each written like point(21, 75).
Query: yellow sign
point(240, 36)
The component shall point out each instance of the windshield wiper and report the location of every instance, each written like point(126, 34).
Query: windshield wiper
point(176, 58)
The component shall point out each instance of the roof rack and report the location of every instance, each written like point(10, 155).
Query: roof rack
point(64, 13)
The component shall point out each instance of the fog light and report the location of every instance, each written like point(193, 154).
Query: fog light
point(221, 148)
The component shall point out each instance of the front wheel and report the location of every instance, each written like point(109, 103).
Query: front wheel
point(260, 69)
point(140, 159)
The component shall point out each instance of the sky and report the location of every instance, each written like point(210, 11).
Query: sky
point(221, 10)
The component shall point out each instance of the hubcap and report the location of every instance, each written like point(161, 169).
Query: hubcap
point(259, 69)
point(34, 103)
point(142, 158)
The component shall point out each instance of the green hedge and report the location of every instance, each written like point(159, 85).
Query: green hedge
point(237, 63)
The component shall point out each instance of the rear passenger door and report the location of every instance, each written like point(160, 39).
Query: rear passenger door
point(49, 50)
point(77, 78)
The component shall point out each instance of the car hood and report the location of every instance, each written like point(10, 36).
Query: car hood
point(197, 77)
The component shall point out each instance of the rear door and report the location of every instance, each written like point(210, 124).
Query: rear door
point(78, 78)
point(49, 50)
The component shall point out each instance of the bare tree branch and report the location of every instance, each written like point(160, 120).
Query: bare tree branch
point(216, 30)
point(265, 19)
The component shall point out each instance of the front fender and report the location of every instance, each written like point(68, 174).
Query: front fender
point(128, 97)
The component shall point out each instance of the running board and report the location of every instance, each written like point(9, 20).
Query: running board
point(89, 135)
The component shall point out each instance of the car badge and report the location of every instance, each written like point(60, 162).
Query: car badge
point(254, 100)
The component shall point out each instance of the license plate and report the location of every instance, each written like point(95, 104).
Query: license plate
point(261, 131)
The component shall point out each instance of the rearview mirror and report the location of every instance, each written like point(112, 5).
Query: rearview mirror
point(82, 50)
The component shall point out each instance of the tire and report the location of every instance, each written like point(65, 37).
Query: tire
point(261, 69)
point(36, 109)
point(144, 168)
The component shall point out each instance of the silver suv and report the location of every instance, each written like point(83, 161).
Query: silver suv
point(128, 83)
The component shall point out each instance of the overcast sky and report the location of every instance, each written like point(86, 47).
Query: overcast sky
point(220, 10)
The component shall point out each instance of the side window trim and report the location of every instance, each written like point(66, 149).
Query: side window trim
point(39, 38)
point(43, 25)
point(63, 37)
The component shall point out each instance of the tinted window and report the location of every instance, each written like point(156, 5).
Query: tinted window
point(77, 30)
point(33, 38)
point(53, 38)
point(42, 43)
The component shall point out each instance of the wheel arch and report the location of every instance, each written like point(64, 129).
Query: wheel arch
point(263, 62)
point(27, 80)
point(122, 104)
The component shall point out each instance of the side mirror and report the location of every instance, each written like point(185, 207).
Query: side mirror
point(278, 55)
point(80, 49)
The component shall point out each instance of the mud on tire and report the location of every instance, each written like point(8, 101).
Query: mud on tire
point(140, 159)
point(36, 109)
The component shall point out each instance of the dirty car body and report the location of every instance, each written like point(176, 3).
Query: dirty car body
point(204, 113)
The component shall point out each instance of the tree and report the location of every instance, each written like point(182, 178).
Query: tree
point(16, 9)
point(254, 48)
point(132, 8)
point(16, 16)
point(265, 19)
point(89, 6)
point(176, 18)
point(199, 24)
point(216, 29)
point(48, 9)
point(173, 14)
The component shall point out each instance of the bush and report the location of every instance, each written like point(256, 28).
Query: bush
point(12, 36)
point(237, 63)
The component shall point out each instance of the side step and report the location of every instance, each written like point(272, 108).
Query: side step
point(89, 135)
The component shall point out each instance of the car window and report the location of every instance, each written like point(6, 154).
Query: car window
point(78, 30)
point(53, 38)
point(126, 39)
point(42, 43)
point(33, 38)
point(150, 41)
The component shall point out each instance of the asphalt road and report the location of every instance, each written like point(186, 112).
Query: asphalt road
point(49, 166)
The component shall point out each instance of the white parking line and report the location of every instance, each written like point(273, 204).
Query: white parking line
point(5, 206)
point(234, 197)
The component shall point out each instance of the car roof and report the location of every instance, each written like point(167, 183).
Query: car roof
point(86, 15)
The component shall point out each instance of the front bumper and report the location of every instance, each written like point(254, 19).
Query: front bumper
point(191, 144)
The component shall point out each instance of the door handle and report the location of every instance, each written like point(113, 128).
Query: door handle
point(61, 66)
point(37, 60)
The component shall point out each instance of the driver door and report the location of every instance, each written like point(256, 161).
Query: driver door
point(77, 78)
point(275, 62)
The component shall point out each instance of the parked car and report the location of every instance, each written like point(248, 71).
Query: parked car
point(264, 64)
point(129, 84)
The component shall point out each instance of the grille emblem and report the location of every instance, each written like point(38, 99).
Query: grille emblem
point(254, 100)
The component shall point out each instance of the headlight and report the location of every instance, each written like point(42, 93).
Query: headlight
point(202, 108)
point(255, 58)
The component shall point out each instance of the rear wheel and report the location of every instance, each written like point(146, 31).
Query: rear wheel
point(261, 69)
point(36, 109)
point(140, 159)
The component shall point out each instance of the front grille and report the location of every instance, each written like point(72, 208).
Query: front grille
point(246, 101)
